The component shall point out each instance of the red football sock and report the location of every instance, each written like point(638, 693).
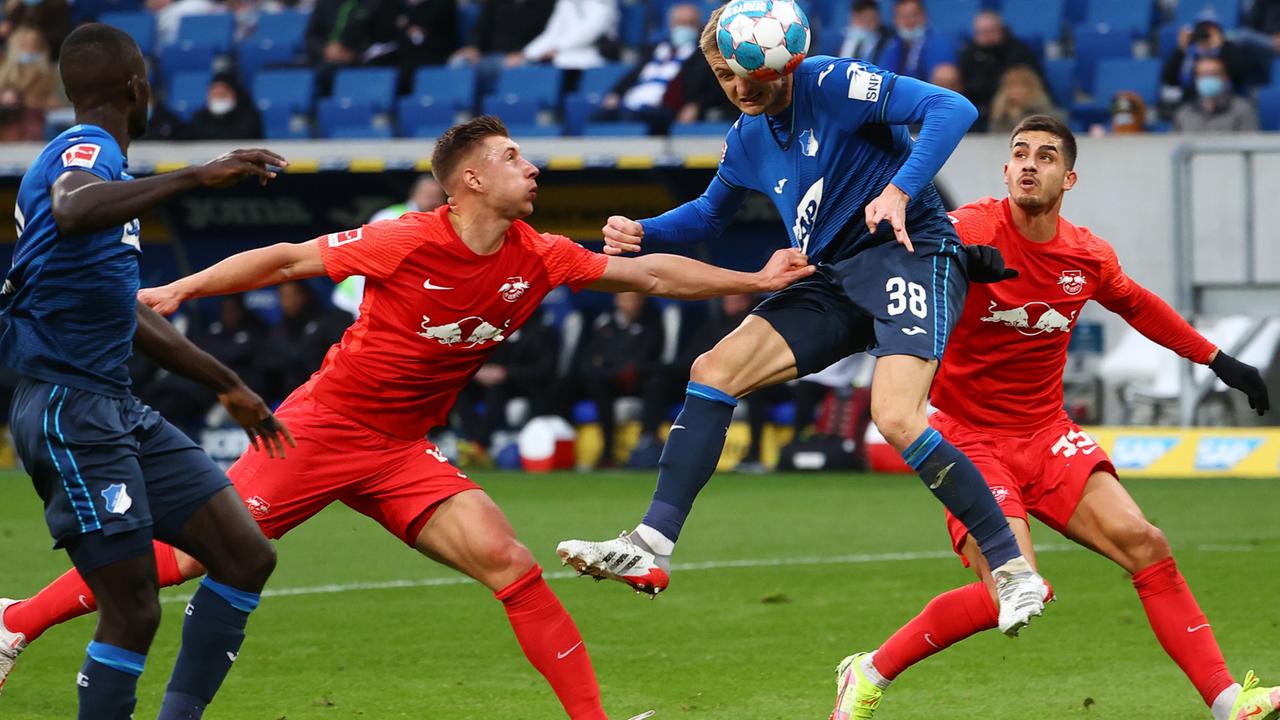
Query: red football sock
point(69, 597)
point(552, 643)
point(945, 621)
point(1182, 628)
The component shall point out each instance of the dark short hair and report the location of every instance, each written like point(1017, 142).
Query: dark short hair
point(458, 140)
point(863, 5)
point(94, 55)
point(1053, 126)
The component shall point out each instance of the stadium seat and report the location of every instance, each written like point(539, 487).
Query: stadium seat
point(520, 131)
point(360, 132)
point(633, 26)
point(88, 10)
point(615, 129)
point(140, 24)
point(285, 97)
point(423, 131)
point(513, 110)
point(188, 92)
point(468, 13)
point(1061, 76)
point(1076, 10)
point(179, 58)
point(1274, 78)
point(1134, 17)
point(1116, 74)
point(1032, 20)
point(361, 98)
point(539, 84)
point(953, 17)
point(412, 114)
point(602, 80)
point(453, 88)
point(700, 129)
point(1269, 108)
point(214, 30)
point(1094, 45)
point(1227, 12)
point(278, 39)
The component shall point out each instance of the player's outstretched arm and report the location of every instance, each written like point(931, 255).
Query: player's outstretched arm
point(159, 340)
point(244, 271)
point(681, 278)
point(698, 220)
point(83, 202)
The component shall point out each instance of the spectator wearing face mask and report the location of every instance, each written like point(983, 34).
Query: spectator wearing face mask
point(29, 87)
point(1215, 108)
point(914, 50)
point(1206, 39)
point(654, 92)
point(864, 37)
point(51, 18)
point(1128, 114)
point(227, 115)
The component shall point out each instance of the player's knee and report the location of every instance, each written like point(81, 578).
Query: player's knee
point(1148, 545)
point(251, 567)
point(711, 369)
point(505, 556)
point(135, 622)
point(898, 423)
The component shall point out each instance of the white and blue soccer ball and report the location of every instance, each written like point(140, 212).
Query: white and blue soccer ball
point(763, 39)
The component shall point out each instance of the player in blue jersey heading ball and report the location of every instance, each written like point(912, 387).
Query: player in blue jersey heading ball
point(829, 145)
point(112, 473)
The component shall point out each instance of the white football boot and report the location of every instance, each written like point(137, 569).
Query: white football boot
point(11, 643)
point(617, 559)
point(1022, 594)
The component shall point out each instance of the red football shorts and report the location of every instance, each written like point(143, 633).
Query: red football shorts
point(398, 483)
point(1043, 473)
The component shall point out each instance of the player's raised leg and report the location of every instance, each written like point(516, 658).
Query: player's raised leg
point(862, 678)
point(752, 356)
point(469, 533)
point(1109, 521)
point(899, 391)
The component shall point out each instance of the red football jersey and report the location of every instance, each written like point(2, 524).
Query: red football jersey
point(432, 313)
point(1004, 361)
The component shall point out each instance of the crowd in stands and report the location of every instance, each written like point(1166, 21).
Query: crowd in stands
point(247, 69)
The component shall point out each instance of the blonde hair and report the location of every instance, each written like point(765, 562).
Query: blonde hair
point(1003, 112)
point(710, 48)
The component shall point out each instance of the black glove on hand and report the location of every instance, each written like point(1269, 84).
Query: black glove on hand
point(986, 264)
point(1244, 378)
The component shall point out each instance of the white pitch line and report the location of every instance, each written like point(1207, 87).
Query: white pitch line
point(808, 561)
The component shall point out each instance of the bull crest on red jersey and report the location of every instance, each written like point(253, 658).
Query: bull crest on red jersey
point(513, 288)
point(1019, 318)
point(1072, 281)
point(468, 332)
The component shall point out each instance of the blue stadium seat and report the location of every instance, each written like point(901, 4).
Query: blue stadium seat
point(1094, 45)
point(179, 57)
point(602, 80)
point(1274, 79)
point(468, 13)
point(633, 26)
point(188, 92)
point(423, 131)
point(1035, 19)
point(1227, 12)
point(615, 129)
point(953, 17)
point(412, 114)
point(87, 10)
point(578, 109)
point(1269, 108)
point(1114, 75)
point(537, 83)
point(454, 88)
point(285, 98)
point(278, 39)
point(1061, 76)
point(215, 30)
point(374, 87)
point(140, 24)
point(520, 131)
point(512, 110)
point(1167, 40)
point(360, 132)
point(701, 129)
point(1134, 17)
point(1076, 10)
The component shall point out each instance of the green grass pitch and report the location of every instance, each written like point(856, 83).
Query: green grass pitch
point(787, 574)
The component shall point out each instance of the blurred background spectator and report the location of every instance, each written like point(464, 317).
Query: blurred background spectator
point(1215, 107)
point(947, 75)
point(308, 328)
point(1264, 18)
point(581, 34)
point(169, 14)
point(914, 49)
point(1128, 113)
point(653, 92)
point(1205, 39)
point(228, 113)
point(29, 86)
point(426, 32)
point(986, 57)
point(51, 18)
point(1020, 93)
point(503, 29)
point(865, 35)
point(622, 356)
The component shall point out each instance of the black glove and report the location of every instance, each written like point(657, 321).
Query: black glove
point(986, 264)
point(1244, 378)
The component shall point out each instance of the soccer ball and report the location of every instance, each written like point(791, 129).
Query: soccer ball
point(763, 39)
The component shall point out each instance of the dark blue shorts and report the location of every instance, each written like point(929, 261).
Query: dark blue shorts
point(885, 301)
point(107, 465)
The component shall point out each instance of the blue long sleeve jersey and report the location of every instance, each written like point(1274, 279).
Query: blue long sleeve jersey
point(824, 159)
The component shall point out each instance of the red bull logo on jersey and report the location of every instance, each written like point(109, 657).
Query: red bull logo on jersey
point(258, 507)
point(468, 332)
point(1047, 319)
point(513, 288)
point(1072, 281)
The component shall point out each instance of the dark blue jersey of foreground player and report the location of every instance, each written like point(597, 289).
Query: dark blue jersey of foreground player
point(826, 157)
point(71, 308)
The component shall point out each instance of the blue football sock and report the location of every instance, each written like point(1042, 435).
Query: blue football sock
point(953, 479)
point(689, 457)
point(211, 639)
point(108, 682)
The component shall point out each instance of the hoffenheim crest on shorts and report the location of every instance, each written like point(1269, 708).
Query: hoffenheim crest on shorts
point(117, 497)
